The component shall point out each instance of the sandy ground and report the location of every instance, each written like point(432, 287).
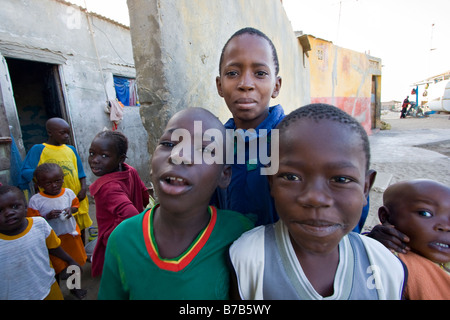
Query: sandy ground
point(413, 148)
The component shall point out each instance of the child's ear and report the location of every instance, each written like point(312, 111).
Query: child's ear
point(122, 158)
point(277, 88)
point(384, 215)
point(225, 177)
point(219, 86)
point(370, 179)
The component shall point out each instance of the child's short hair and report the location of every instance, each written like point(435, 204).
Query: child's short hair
point(121, 141)
point(322, 111)
point(258, 33)
point(45, 167)
point(4, 189)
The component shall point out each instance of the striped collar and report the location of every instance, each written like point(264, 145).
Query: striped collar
point(180, 262)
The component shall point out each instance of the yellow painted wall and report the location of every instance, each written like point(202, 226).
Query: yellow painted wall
point(343, 78)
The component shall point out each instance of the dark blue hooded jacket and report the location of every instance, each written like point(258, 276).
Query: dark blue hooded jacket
point(248, 192)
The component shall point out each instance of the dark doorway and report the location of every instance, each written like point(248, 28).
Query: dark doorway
point(38, 97)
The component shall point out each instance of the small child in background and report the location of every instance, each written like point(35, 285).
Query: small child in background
point(25, 244)
point(319, 191)
point(420, 209)
point(56, 205)
point(119, 192)
point(178, 249)
point(56, 150)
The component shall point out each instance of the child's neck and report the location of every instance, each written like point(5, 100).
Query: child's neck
point(53, 142)
point(320, 269)
point(253, 123)
point(175, 231)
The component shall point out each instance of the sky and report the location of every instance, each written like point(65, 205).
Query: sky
point(400, 32)
point(411, 37)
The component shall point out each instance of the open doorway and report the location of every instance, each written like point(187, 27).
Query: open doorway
point(375, 104)
point(38, 97)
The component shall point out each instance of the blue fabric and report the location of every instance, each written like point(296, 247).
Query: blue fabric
point(122, 86)
point(362, 220)
point(248, 192)
point(15, 163)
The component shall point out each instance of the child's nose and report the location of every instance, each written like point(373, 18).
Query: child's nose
point(246, 82)
point(443, 225)
point(182, 157)
point(313, 195)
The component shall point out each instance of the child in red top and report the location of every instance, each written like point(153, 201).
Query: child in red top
point(119, 193)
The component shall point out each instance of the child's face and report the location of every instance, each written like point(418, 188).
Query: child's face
point(51, 182)
point(13, 211)
point(59, 133)
point(248, 81)
point(103, 157)
point(321, 185)
point(422, 212)
point(185, 186)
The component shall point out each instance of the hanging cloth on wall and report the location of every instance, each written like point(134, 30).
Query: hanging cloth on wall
point(122, 86)
point(115, 110)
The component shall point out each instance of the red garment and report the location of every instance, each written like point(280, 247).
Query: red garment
point(118, 196)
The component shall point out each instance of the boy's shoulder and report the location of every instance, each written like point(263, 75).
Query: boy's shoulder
point(234, 218)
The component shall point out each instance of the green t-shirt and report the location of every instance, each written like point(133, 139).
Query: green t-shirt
point(134, 270)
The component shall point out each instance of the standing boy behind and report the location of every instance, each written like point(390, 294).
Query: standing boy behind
point(420, 209)
point(248, 79)
point(178, 249)
point(66, 156)
point(25, 244)
point(319, 192)
point(57, 205)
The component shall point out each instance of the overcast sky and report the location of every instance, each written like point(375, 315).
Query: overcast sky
point(400, 32)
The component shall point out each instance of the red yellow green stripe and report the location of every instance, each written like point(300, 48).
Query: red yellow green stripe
point(180, 262)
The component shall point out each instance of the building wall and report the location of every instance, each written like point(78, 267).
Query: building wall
point(347, 79)
point(56, 32)
point(177, 45)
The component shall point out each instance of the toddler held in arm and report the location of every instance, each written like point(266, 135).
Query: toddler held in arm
point(420, 209)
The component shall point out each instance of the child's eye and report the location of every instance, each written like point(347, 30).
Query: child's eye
point(341, 179)
point(207, 150)
point(424, 213)
point(261, 74)
point(104, 156)
point(167, 144)
point(290, 177)
point(231, 73)
point(91, 154)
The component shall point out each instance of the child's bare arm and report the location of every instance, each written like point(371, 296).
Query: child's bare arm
point(82, 194)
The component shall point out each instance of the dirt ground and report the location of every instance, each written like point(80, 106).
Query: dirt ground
point(413, 148)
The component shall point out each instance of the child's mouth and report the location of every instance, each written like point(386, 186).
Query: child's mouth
point(440, 246)
point(174, 185)
point(176, 181)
